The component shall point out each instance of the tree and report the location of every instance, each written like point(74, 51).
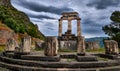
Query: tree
point(113, 29)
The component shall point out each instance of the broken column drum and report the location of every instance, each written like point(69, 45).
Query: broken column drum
point(81, 46)
point(10, 45)
point(51, 48)
point(68, 37)
point(25, 45)
point(111, 47)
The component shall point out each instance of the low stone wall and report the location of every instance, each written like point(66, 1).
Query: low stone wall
point(60, 64)
point(70, 45)
point(92, 45)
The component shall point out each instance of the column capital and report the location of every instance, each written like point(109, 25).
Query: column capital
point(60, 19)
point(78, 18)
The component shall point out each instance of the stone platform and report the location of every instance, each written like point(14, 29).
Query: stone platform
point(36, 61)
point(86, 58)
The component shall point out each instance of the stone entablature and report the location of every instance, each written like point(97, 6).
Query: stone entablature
point(70, 16)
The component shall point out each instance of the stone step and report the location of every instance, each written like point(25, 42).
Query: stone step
point(68, 56)
point(60, 64)
point(41, 58)
point(86, 58)
point(15, 67)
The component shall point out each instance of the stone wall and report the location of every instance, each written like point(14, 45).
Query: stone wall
point(111, 47)
point(71, 45)
point(51, 48)
point(92, 45)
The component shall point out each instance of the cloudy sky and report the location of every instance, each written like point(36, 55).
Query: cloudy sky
point(45, 13)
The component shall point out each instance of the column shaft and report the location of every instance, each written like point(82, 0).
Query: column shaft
point(69, 26)
point(78, 28)
point(60, 27)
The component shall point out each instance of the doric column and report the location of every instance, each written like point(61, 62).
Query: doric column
point(69, 26)
point(60, 27)
point(78, 27)
point(80, 45)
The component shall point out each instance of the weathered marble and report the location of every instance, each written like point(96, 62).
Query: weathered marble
point(51, 46)
point(81, 45)
point(25, 46)
point(111, 47)
point(10, 45)
point(69, 40)
point(71, 44)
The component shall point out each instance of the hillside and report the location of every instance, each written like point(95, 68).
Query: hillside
point(5, 33)
point(18, 21)
point(99, 39)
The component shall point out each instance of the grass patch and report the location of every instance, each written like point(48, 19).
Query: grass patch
point(66, 50)
point(70, 60)
point(102, 59)
point(39, 49)
point(2, 48)
point(96, 50)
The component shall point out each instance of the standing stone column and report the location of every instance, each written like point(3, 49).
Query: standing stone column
point(51, 48)
point(78, 27)
point(10, 45)
point(60, 27)
point(80, 45)
point(69, 26)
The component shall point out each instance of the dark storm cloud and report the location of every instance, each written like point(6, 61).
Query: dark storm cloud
point(42, 8)
point(92, 31)
point(91, 27)
point(40, 16)
point(103, 4)
point(88, 22)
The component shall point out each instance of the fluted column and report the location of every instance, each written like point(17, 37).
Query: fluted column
point(80, 45)
point(69, 26)
point(60, 27)
point(78, 27)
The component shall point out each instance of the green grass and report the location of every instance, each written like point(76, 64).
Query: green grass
point(66, 50)
point(39, 49)
point(70, 60)
point(2, 48)
point(96, 50)
point(102, 59)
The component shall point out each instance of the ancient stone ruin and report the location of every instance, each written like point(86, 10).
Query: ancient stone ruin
point(23, 59)
point(24, 47)
point(51, 48)
point(93, 45)
point(111, 47)
point(10, 45)
point(68, 37)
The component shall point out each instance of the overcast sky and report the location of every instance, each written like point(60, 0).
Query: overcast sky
point(45, 13)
